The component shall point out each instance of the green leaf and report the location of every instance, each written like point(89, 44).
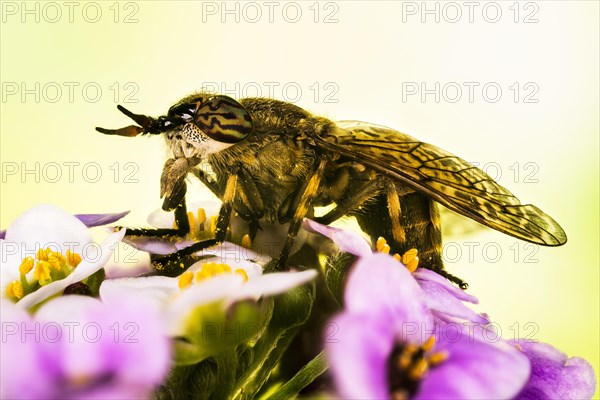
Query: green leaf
point(336, 272)
point(305, 376)
point(210, 329)
point(291, 311)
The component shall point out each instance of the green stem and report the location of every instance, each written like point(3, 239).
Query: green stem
point(304, 377)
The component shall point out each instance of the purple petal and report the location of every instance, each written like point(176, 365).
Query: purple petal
point(3, 234)
point(347, 241)
point(423, 274)
point(477, 367)
point(19, 360)
point(358, 348)
point(444, 303)
point(129, 344)
point(91, 220)
point(152, 245)
point(380, 285)
point(554, 375)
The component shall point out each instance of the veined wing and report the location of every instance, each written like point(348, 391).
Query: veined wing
point(445, 178)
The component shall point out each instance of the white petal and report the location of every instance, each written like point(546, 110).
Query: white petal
point(252, 269)
point(272, 284)
point(230, 253)
point(48, 226)
point(69, 309)
point(156, 291)
point(87, 267)
point(10, 258)
point(128, 261)
point(165, 219)
point(212, 290)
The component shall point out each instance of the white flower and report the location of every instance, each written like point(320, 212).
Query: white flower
point(45, 250)
point(206, 282)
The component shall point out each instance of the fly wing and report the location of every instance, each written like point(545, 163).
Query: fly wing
point(443, 177)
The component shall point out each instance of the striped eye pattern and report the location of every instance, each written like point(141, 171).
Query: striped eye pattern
point(223, 119)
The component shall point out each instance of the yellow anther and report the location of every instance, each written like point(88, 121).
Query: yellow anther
point(26, 265)
point(411, 260)
point(201, 218)
point(54, 262)
point(42, 272)
point(397, 257)
point(191, 220)
point(73, 259)
point(58, 255)
point(223, 268)
point(209, 268)
point(42, 254)
point(438, 358)
point(243, 273)
point(518, 346)
point(429, 343)
point(404, 360)
point(381, 243)
point(246, 241)
point(400, 395)
point(203, 275)
point(14, 290)
point(185, 279)
point(418, 369)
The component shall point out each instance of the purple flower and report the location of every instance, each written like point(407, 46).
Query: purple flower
point(554, 375)
point(442, 297)
point(388, 345)
point(78, 348)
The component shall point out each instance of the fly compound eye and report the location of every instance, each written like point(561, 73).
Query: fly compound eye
point(223, 119)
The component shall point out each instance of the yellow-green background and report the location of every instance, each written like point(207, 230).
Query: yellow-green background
point(367, 54)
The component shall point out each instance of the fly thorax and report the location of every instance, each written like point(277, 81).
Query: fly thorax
point(189, 141)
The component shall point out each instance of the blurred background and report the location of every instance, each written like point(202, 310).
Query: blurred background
point(510, 86)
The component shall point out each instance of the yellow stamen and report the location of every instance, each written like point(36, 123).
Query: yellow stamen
point(405, 359)
point(54, 261)
point(73, 259)
point(397, 257)
point(201, 218)
point(185, 279)
point(246, 241)
point(224, 268)
point(26, 265)
point(411, 260)
point(429, 343)
point(518, 346)
point(380, 245)
point(243, 273)
point(203, 275)
point(418, 369)
point(14, 290)
point(400, 395)
point(42, 254)
point(192, 221)
point(438, 358)
point(407, 355)
point(42, 272)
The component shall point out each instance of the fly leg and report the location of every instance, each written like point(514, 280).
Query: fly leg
point(174, 264)
point(309, 193)
point(359, 196)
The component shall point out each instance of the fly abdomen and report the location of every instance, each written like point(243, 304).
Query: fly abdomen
point(419, 219)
